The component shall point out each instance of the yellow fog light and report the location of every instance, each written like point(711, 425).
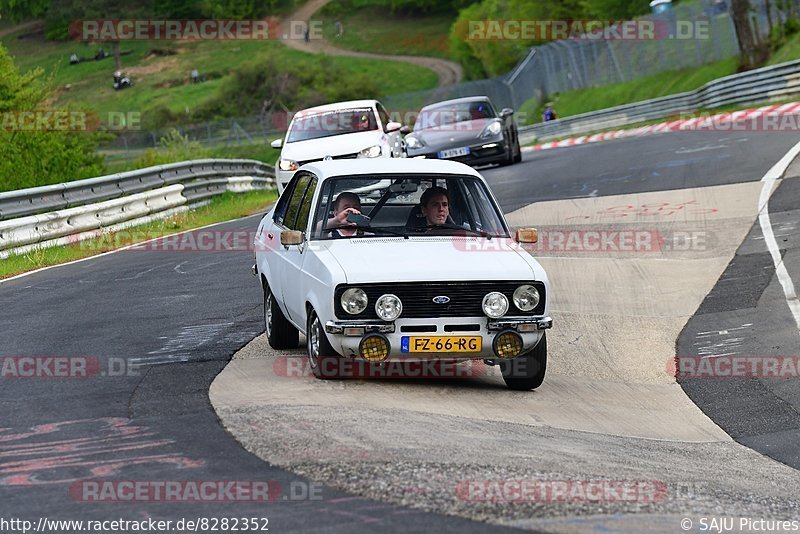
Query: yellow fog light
point(507, 344)
point(374, 348)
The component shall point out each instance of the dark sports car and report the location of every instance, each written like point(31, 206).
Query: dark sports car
point(468, 130)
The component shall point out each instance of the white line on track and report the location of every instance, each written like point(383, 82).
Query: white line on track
point(769, 180)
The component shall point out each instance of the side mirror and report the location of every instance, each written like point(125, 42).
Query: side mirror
point(406, 129)
point(506, 112)
point(292, 237)
point(393, 126)
point(277, 143)
point(527, 235)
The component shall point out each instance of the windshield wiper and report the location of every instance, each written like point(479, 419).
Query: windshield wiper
point(377, 229)
point(480, 233)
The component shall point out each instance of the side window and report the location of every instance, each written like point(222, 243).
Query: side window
point(293, 205)
point(305, 206)
point(384, 115)
point(283, 201)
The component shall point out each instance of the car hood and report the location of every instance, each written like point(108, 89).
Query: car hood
point(464, 131)
point(335, 145)
point(394, 259)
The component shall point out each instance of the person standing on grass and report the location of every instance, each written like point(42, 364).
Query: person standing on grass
point(549, 114)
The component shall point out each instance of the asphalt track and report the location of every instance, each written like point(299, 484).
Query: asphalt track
point(178, 317)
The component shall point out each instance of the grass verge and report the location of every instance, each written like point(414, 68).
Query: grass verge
point(370, 30)
point(161, 71)
point(222, 208)
point(662, 84)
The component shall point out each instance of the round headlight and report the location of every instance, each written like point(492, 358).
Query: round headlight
point(354, 301)
point(388, 307)
point(526, 298)
point(495, 304)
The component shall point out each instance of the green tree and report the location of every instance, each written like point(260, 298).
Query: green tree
point(32, 158)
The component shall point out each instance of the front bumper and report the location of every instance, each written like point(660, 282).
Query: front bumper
point(346, 336)
point(492, 151)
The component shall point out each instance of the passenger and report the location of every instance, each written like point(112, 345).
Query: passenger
point(435, 205)
point(345, 204)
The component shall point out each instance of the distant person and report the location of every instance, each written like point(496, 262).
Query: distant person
point(195, 76)
point(101, 54)
point(549, 113)
point(73, 59)
point(307, 34)
point(339, 29)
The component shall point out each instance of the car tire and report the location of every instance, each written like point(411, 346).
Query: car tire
point(281, 334)
point(322, 359)
point(518, 155)
point(526, 372)
point(508, 158)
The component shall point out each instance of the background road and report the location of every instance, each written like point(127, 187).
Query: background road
point(175, 319)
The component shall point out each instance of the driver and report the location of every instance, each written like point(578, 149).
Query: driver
point(435, 205)
point(345, 204)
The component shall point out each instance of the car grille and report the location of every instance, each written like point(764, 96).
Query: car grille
point(466, 298)
point(343, 156)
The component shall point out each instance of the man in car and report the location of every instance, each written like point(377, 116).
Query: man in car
point(435, 205)
point(345, 204)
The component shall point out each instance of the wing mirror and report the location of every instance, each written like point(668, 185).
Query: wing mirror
point(405, 129)
point(527, 235)
point(277, 143)
point(393, 126)
point(292, 237)
point(506, 112)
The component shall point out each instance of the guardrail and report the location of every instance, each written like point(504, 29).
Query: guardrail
point(758, 85)
point(71, 211)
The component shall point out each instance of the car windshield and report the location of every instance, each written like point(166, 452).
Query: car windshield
point(316, 125)
point(391, 205)
point(451, 113)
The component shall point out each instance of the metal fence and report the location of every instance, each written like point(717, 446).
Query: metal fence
point(545, 71)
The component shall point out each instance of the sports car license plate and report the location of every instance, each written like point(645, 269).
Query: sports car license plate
point(454, 152)
point(440, 344)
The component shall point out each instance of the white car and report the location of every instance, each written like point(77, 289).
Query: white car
point(344, 130)
point(415, 282)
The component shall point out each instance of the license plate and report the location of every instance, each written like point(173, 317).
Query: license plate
point(440, 344)
point(454, 152)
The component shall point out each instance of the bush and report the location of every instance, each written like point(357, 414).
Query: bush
point(175, 147)
point(34, 158)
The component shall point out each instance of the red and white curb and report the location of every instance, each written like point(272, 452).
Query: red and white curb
point(783, 117)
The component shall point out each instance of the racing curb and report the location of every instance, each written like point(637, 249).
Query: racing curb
point(717, 122)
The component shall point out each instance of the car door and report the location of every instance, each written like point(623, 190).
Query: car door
point(293, 283)
point(269, 252)
point(396, 141)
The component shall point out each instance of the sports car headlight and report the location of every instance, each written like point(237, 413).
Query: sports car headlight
point(287, 165)
point(413, 142)
point(495, 305)
point(526, 298)
point(354, 301)
point(389, 307)
point(491, 130)
point(372, 152)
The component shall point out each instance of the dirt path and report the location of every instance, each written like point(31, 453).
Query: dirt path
point(19, 27)
point(449, 72)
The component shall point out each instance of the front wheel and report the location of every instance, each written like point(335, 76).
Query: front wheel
point(526, 372)
point(323, 360)
point(518, 155)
